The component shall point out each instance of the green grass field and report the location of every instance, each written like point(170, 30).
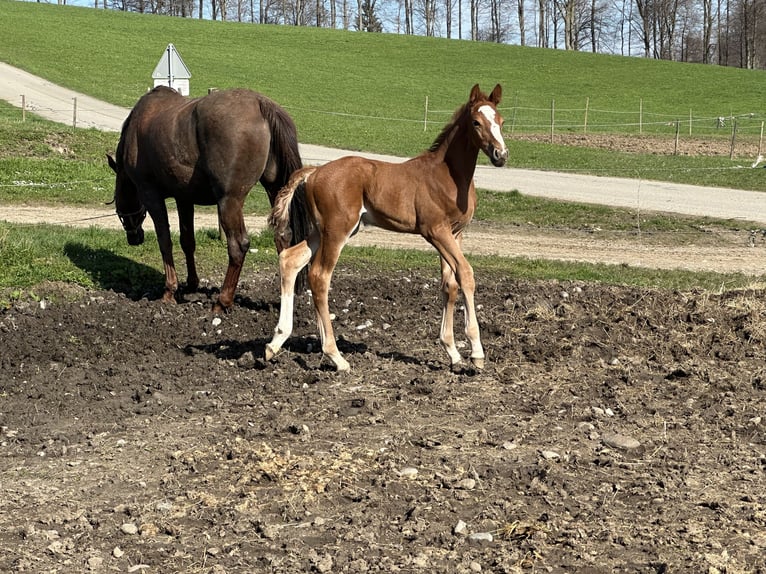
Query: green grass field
point(368, 91)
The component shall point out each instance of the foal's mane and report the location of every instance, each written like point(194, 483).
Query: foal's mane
point(457, 117)
point(284, 139)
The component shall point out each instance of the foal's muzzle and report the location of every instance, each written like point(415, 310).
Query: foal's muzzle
point(496, 156)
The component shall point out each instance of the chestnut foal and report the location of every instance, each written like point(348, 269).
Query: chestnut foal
point(432, 194)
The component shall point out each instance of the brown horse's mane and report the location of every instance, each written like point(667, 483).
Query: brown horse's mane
point(446, 132)
point(284, 139)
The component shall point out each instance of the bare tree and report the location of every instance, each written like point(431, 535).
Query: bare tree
point(522, 24)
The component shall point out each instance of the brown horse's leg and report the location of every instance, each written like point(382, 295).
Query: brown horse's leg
point(320, 274)
point(449, 248)
point(238, 242)
point(291, 261)
point(188, 242)
point(159, 215)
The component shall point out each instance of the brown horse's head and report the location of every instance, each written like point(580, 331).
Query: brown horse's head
point(129, 208)
point(488, 124)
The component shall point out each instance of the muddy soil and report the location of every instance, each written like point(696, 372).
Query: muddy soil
point(614, 429)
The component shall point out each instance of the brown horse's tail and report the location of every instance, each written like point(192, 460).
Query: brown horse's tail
point(290, 217)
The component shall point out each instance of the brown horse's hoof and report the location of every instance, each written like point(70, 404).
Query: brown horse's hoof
point(219, 309)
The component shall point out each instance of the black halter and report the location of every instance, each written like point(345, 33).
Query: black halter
point(141, 212)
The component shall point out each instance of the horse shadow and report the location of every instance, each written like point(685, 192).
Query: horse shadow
point(138, 281)
point(250, 354)
point(114, 272)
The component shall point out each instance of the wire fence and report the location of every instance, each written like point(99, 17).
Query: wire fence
point(518, 119)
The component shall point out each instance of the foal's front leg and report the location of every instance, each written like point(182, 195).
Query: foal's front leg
point(449, 296)
point(457, 272)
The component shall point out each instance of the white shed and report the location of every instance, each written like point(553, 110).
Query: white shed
point(172, 72)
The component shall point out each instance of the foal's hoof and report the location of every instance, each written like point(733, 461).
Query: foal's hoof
point(478, 363)
point(270, 352)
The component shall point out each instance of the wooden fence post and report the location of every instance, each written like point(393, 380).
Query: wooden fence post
point(23, 108)
point(74, 113)
point(585, 124)
point(733, 136)
point(515, 107)
point(425, 116)
point(678, 131)
point(553, 117)
point(640, 116)
point(690, 121)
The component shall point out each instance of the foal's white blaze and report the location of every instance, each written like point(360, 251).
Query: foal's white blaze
point(494, 127)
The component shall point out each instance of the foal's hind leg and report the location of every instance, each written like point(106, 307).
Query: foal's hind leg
point(320, 274)
point(291, 261)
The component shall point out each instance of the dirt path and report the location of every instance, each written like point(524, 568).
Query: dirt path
point(732, 253)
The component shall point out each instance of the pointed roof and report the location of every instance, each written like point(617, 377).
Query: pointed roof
point(171, 65)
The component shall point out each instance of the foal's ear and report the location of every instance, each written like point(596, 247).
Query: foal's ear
point(475, 93)
point(112, 163)
point(496, 95)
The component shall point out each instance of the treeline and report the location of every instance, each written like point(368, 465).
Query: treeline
point(720, 32)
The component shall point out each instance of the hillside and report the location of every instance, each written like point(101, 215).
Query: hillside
point(371, 91)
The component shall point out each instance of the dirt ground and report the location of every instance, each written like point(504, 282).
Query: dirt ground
point(614, 429)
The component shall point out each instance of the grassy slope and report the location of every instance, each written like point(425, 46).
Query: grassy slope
point(315, 72)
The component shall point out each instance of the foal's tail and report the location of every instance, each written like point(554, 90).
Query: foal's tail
point(290, 216)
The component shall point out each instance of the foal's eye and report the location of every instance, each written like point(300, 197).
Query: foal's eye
point(476, 123)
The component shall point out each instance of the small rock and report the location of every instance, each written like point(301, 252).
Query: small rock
point(621, 441)
point(409, 472)
point(129, 528)
point(118, 552)
point(550, 454)
point(460, 528)
point(481, 537)
point(466, 484)
point(216, 321)
point(474, 567)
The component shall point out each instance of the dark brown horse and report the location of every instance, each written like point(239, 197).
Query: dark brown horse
point(204, 151)
point(432, 194)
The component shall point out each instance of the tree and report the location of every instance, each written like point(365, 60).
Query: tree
point(368, 18)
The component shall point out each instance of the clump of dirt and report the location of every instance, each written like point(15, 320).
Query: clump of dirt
point(614, 429)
